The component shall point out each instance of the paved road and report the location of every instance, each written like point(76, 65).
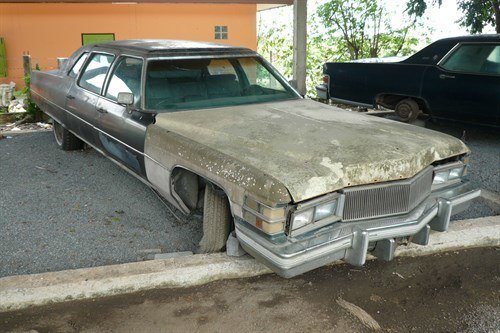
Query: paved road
point(62, 210)
point(451, 292)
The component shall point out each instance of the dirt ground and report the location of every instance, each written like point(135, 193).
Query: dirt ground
point(450, 292)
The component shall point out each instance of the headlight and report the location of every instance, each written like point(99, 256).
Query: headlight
point(448, 173)
point(325, 210)
point(315, 214)
point(303, 218)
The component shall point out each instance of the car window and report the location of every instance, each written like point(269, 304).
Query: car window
point(258, 75)
point(221, 67)
point(95, 72)
point(202, 83)
point(475, 58)
point(78, 65)
point(126, 78)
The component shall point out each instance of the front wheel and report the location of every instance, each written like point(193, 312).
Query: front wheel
point(65, 139)
point(216, 220)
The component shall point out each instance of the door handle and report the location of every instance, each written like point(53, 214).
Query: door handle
point(445, 76)
point(70, 97)
point(101, 110)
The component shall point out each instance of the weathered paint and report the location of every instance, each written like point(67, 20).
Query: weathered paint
point(302, 146)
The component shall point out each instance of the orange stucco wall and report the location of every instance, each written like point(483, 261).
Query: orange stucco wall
point(48, 31)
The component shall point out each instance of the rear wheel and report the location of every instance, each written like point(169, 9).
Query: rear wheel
point(407, 110)
point(216, 220)
point(64, 138)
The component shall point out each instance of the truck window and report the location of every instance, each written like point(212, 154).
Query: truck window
point(475, 58)
point(95, 71)
point(126, 78)
point(78, 65)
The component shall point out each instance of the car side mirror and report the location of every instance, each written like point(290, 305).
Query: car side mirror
point(125, 98)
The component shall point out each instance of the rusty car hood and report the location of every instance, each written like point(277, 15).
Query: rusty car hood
point(313, 148)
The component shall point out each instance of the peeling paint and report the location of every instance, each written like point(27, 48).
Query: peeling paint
point(299, 147)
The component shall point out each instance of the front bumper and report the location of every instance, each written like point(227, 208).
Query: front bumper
point(350, 241)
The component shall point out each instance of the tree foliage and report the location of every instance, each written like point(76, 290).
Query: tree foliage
point(364, 28)
point(477, 14)
point(327, 43)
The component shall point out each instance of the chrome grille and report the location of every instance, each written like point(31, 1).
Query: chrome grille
point(391, 198)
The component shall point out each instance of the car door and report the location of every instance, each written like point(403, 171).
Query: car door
point(67, 80)
point(121, 129)
point(465, 85)
point(82, 97)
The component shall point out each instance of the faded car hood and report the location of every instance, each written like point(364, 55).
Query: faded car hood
point(313, 148)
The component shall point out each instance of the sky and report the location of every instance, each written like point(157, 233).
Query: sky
point(440, 22)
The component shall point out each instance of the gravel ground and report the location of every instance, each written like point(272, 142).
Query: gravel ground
point(484, 170)
point(62, 210)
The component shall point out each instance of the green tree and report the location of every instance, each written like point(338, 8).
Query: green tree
point(327, 43)
point(364, 28)
point(477, 14)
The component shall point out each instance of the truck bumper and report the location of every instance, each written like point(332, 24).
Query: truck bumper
point(322, 91)
point(350, 241)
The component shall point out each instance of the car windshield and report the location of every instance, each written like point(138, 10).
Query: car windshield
point(204, 83)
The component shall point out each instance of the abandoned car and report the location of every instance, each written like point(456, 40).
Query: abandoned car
point(217, 128)
point(454, 78)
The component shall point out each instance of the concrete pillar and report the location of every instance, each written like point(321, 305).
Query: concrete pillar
point(300, 44)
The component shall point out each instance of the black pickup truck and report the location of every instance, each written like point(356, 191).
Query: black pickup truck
point(454, 78)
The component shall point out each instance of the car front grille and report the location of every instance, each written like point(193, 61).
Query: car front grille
point(386, 199)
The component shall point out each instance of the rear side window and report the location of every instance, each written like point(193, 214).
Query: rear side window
point(95, 71)
point(475, 58)
point(78, 65)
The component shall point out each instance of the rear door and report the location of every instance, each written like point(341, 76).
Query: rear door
point(465, 85)
point(82, 97)
point(121, 129)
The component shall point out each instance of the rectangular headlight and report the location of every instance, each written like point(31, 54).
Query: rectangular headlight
point(315, 214)
point(325, 210)
point(303, 218)
point(441, 177)
point(456, 173)
point(448, 172)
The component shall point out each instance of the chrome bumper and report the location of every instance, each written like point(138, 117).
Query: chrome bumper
point(322, 91)
point(350, 241)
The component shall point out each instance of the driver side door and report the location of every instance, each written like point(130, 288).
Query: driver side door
point(122, 129)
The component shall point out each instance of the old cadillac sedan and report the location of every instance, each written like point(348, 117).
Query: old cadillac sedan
point(215, 128)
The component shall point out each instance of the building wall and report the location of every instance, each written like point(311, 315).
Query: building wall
point(50, 30)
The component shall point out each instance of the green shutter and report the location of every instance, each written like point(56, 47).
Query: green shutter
point(3, 59)
point(97, 38)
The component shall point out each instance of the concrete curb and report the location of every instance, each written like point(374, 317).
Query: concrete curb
point(27, 131)
point(19, 292)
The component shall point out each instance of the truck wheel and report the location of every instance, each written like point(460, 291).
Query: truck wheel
point(216, 220)
point(64, 138)
point(407, 110)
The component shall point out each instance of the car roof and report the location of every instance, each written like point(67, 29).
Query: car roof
point(171, 46)
point(486, 38)
point(433, 53)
